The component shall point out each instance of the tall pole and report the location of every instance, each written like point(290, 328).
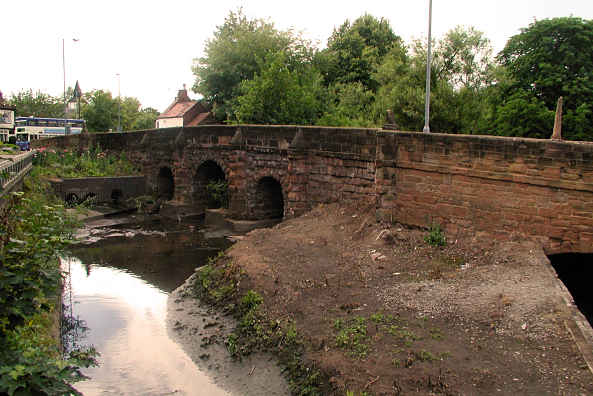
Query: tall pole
point(119, 102)
point(428, 60)
point(64, 70)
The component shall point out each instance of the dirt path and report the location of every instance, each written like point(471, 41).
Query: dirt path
point(384, 312)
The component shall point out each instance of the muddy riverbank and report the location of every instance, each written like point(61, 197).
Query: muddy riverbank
point(202, 330)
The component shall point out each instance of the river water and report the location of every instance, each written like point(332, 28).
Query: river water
point(120, 280)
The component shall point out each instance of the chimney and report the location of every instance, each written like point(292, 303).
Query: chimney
point(182, 95)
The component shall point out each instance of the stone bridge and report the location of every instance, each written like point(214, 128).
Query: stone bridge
point(500, 187)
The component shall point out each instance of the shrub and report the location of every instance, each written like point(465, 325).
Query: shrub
point(218, 194)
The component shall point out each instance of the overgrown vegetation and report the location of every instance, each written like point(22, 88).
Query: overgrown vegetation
point(217, 284)
point(218, 194)
point(92, 162)
point(34, 230)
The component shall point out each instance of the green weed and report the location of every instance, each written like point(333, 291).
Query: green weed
point(435, 236)
point(353, 337)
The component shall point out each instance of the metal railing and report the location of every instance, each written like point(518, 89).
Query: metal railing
point(13, 168)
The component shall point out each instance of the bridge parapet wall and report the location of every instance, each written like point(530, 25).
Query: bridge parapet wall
point(502, 187)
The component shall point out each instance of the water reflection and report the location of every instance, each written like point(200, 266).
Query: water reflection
point(126, 317)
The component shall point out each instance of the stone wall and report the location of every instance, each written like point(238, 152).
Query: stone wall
point(502, 187)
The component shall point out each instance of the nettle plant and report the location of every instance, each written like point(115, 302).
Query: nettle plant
point(32, 235)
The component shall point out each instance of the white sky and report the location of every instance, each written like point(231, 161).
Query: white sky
point(152, 43)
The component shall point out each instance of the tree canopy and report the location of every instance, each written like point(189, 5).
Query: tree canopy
point(549, 59)
point(355, 49)
point(235, 54)
point(279, 95)
point(102, 113)
point(36, 104)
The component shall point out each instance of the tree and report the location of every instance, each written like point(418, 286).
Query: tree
point(461, 74)
point(464, 58)
point(279, 95)
point(234, 55)
point(549, 59)
point(100, 111)
point(355, 50)
point(37, 104)
point(145, 119)
point(348, 105)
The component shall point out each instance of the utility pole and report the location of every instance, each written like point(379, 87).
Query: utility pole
point(428, 61)
point(119, 103)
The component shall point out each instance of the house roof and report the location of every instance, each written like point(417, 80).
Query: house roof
point(198, 119)
point(177, 109)
point(180, 105)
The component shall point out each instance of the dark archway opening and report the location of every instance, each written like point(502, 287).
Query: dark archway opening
point(269, 199)
point(575, 270)
point(116, 196)
point(210, 186)
point(165, 184)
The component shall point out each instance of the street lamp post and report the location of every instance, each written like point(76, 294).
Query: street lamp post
point(64, 70)
point(118, 103)
point(428, 61)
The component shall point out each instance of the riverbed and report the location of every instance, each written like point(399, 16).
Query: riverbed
point(125, 285)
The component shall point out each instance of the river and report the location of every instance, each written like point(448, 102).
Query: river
point(120, 280)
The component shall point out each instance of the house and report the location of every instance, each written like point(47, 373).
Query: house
point(184, 112)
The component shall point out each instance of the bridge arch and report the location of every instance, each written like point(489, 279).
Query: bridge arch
point(165, 186)
point(208, 173)
point(268, 199)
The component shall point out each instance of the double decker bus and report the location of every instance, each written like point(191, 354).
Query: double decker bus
point(33, 128)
